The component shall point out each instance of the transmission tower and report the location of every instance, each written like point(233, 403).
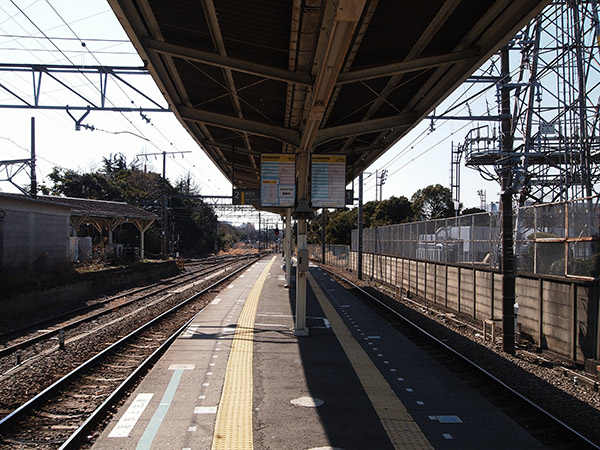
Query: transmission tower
point(555, 93)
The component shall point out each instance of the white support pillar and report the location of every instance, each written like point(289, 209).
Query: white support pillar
point(288, 247)
point(300, 328)
point(142, 226)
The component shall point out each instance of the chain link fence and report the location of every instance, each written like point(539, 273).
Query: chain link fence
point(552, 239)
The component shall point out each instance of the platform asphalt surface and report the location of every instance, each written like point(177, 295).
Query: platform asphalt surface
point(238, 378)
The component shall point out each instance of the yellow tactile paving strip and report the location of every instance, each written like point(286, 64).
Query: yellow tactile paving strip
point(233, 427)
point(398, 423)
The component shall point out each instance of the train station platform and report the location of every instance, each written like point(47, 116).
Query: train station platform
point(238, 378)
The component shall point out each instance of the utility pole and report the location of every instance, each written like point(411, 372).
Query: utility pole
point(382, 178)
point(163, 202)
point(506, 205)
point(32, 164)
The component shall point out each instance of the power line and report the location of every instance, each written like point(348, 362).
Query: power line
point(58, 38)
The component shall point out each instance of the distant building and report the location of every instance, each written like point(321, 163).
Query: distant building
point(35, 232)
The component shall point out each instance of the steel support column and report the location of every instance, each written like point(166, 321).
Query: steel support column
point(288, 247)
point(300, 328)
point(506, 206)
point(360, 226)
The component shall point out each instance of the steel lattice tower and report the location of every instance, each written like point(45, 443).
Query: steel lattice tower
point(556, 105)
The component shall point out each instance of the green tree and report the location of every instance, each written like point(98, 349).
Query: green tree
point(391, 211)
point(432, 202)
point(340, 226)
point(313, 234)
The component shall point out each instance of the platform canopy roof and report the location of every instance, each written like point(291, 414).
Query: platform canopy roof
point(345, 77)
point(100, 213)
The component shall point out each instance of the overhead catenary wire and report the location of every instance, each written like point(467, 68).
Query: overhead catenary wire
point(139, 132)
point(459, 102)
point(46, 38)
point(100, 64)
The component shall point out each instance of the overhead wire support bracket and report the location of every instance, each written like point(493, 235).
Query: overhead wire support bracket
point(117, 73)
point(36, 86)
point(77, 121)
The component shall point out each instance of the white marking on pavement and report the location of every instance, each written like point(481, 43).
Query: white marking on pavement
point(131, 416)
point(205, 410)
point(182, 366)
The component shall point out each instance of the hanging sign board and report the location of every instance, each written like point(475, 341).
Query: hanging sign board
point(277, 180)
point(328, 181)
point(246, 197)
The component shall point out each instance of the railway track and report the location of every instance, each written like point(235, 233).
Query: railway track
point(20, 342)
point(199, 268)
point(101, 368)
point(538, 421)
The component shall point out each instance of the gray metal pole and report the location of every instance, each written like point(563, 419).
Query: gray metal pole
point(163, 226)
point(323, 235)
point(32, 164)
point(506, 204)
point(360, 225)
point(288, 247)
point(300, 328)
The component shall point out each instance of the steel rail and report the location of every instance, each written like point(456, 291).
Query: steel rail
point(48, 334)
point(473, 364)
point(11, 419)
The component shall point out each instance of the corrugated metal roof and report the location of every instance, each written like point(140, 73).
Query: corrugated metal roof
point(87, 207)
point(351, 76)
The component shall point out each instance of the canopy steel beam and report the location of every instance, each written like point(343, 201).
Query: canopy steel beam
point(225, 62)
point(242, 125)
point(414, 65)
point(367, 126)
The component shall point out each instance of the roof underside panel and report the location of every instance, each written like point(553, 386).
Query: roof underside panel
point(395, 28)
point(351, 76)
point(256, 31)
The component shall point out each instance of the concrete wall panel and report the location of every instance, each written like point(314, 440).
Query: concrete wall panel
point(467, 285)
point(527, 291)
point(430, 269)
point(413, 276)
point(497, 296)
point(557, 317)
point(453, 288)
point(421, 278)
point(483, 296)
point(440, 287)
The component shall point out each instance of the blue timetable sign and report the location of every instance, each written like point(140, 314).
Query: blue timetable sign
point(277, 180)
point(328, 181)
